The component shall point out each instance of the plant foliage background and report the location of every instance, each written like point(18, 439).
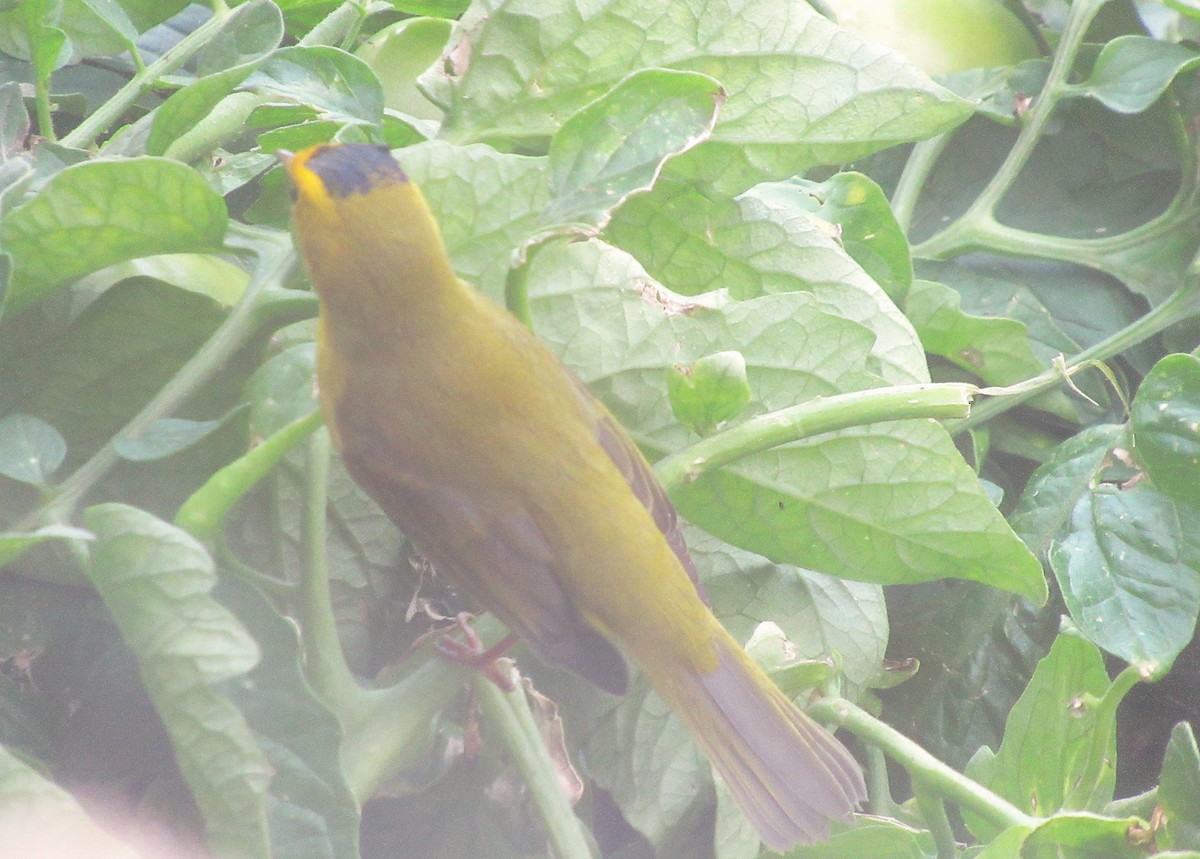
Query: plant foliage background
point(784, 256)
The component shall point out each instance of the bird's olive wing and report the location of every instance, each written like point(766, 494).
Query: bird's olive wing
point(641, 478)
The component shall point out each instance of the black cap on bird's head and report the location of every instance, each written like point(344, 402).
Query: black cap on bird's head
point(342, 169)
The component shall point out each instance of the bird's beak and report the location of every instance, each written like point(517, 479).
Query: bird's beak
point(285, 156)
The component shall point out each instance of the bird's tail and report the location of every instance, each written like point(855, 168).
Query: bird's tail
point(787, 773)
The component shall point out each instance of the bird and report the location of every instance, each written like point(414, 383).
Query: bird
point(523, 489)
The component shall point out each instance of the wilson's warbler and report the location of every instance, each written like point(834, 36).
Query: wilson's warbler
point(521, 487)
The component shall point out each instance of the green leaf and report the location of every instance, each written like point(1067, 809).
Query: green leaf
point(864, 221)
point(485, 202)
point(617, 145)
point(39, 818)
point(311, 811)
point(156, 582)
point(1081, 835)
point(709, 391)
point(801, 91)
point(12, 546)
point(245, 40)
point(1125, 577)
point(30, 449)
point(90, 379)
point(995, 349)
point(1043, 513)
point(164, 437)
point(1050, 714)
point(102, 212)
point(1179, 791)
point(97, 28)
point(1132, 72)
point(756, 245)
point(335, 85)
point(1164, 419)
point(891, 502)
point(878, 838)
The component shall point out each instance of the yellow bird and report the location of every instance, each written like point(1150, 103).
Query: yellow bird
point(520, 486)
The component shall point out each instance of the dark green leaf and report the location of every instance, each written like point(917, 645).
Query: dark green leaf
point(1132, 72)
point(1125, 577)
point(1044, 512)
point(1165, 420)
point(164, 437)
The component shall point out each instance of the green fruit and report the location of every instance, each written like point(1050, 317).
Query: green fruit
point(940, 36)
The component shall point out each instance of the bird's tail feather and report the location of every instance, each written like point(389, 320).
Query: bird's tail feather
point(788, 774)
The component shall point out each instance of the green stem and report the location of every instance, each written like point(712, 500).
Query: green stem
point(516, 289)
point(1183, 304)
point(979, 218)
point(826, 414)
point(933, 810)
point(920, 164)
point(508, 713)
point(85, 134)
point(326, 667)
point(935, 775)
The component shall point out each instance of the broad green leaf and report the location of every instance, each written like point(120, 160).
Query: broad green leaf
point(1006, 845)
point(865, 224)
point(709, 391)
point(1179, 791)
point(97, 28)
point(1043, 513)
point(1125, 575)
point(30, 449)
point(39, 818)
point(802, 91)
point(1164, 420)
point(888, 503)
point(156, 582)
point(334, 85)
point(617, 145)
point(486, 204)
point(98, 213)
point(90, 379)
point(248, 36)
point(1132, 72)
point(13, 546)
point(1052, 714)
point(995, 349)
point(311, 814)
point(758, 244)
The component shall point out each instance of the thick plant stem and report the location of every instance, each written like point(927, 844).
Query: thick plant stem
point(509, 714)
point(936, 776)
point(939, 401)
